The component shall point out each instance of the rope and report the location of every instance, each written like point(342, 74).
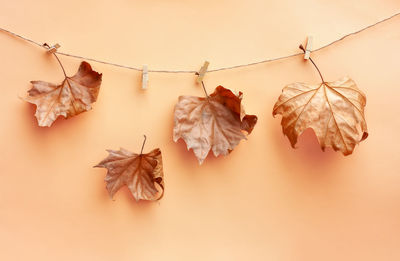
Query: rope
point(213, 70)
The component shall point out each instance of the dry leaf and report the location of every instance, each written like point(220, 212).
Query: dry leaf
point(139, 172)
point(334, 110)
point(233, 102)
point(215, 123)
point(74, 96)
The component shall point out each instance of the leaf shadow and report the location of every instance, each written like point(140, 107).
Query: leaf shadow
point(189, 158)
point(307, 154)
point(140, 208)
point(123, 198)
point(59, 123)
point(101, 194)
point(310, 150)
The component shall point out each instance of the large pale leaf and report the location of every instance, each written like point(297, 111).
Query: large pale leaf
point(72, 97)
point(334, 110)
point(216, 123)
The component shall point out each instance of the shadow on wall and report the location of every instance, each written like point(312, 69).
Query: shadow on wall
point(307, 154)
point(58, 124)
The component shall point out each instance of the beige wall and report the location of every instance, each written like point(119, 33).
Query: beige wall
point(265, 201)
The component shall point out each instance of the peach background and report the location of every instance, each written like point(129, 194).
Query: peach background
point(265, 201)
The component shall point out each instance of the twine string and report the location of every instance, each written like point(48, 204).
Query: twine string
point(44, 45)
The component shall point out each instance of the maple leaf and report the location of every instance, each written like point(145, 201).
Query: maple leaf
point(334, 110)
point(217, 122)
point(72, 97)
point(233, 102)
point(139, 172)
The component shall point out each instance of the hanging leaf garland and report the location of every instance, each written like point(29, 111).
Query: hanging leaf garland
point(216, 122)
point(139, 172)
point(334, 110)
point(72, 97)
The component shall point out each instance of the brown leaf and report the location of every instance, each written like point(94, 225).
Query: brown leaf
point(139, 172)
point(74, 96)
point(215, 123)
point(233, 102)
point(334, 110)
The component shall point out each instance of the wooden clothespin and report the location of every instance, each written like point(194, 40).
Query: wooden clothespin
point(202, 72)
point(145, 77)
point(53, 49)
point(309, 46)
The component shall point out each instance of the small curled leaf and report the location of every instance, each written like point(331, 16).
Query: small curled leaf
point(139, 172)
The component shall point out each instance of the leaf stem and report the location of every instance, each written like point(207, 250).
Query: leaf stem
point(144, 141)
point(205, 91)
point(316, 67)
point(59, 62)
point(62, 67)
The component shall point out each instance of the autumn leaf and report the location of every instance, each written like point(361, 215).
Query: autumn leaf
point(233, 102)
point(72, 97)
point(139, 172)
point(217, 122)
point(334, 110)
